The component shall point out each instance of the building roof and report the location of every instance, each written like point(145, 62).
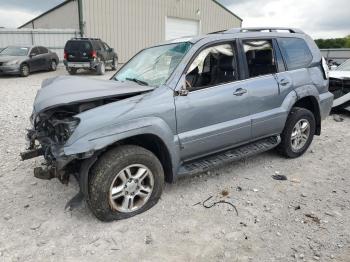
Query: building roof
point(67, 1)
point(46, 12)
point(228, 10)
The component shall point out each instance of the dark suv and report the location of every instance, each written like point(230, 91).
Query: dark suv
point(177, 109)
point(89, 54)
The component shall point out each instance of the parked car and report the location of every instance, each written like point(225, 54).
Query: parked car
point(177, 109)
point(21, 60)
point(89, 54)
point(339, 85)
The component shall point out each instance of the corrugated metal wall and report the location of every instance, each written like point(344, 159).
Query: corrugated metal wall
point(54, 39)
point(130, 25)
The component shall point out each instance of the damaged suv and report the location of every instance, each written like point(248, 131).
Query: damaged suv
point(176, 109)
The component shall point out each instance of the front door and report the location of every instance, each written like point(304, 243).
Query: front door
point(212, 113)
point(34, 61)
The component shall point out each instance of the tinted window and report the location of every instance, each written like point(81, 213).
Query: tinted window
point(34, 51)
point(260, 57)
point(296, 52)
point(43, 50)
point(80, 46)
point(214, 65)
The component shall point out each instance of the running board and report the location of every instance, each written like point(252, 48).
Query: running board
point(214, 161)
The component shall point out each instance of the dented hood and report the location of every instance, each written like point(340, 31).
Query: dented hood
point(66, 90)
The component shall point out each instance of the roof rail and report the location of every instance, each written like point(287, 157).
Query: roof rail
point(260, 29)
point(84, 38)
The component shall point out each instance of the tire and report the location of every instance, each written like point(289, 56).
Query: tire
point(24, 70)
point(53, 65)
point(106, 175)
point(114, 64)
point(299, 119)
point(101, 68)
point(71, 71)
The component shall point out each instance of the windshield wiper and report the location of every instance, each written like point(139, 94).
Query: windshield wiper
point(140, 82)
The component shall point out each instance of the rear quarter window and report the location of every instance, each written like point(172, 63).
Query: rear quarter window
point(296, 52)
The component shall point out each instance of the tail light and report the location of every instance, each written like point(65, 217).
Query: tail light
point(93, 54)
point(65, 55)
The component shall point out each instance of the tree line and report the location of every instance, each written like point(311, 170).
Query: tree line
point(333, 43)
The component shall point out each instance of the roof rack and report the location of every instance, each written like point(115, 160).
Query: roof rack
point(84, 38)
point(261, 29)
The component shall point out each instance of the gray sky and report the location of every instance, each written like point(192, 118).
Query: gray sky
point(319, 18)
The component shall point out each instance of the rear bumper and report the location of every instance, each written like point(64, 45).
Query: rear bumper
point(13, 69)
point(326, 101)
point(80, 65)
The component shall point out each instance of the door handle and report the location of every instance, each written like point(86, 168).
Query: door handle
point(284, 82)
point(239, 92)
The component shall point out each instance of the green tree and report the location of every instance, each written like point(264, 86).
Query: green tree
point(333, 43)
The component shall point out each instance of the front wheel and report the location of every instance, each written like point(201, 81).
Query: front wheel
point(24, 70)
point(298, 133)
point(126, 181)
point(53, 65)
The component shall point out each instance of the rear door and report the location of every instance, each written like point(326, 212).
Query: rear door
point(109, 53)
point(214, 114)
point(261, 66)
point(78, 50)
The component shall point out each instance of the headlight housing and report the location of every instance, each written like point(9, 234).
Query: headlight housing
point(12, 62)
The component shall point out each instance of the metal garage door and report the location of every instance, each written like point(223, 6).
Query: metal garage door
point(178, 27)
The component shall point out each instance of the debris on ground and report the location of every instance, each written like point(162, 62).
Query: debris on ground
point(314, 218)
point(279, 177)
point(239, 188)
point(148, 240)
point(218, 202)
point(224, 193)
point(337, 118)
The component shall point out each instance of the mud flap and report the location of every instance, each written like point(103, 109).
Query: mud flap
point(83, 180)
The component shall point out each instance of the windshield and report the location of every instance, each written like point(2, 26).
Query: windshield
point(154, 65)
point(344, 66)
point(15, 51)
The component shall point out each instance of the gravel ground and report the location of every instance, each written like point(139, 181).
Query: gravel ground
point(305, 218)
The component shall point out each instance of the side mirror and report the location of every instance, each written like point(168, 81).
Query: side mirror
point(32, 55)
point(182, 87)
point(111, 50)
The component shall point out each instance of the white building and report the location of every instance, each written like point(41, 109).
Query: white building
point(130, 25)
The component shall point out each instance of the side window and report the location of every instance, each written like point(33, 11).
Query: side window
point(296, 52)
point(214, 65)
point(106, 47)
point(96, 45)
point(260, 57)
point(43, 50)
point(34, 51)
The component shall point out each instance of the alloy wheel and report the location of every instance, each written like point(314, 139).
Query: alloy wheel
point(131, 188)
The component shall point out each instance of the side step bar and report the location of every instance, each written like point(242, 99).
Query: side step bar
point(229, 156)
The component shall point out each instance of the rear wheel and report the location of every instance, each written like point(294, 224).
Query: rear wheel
point(71, 71)
point(53, 65)
point(101, 68)
point(24, 70)
point(114, 64)
point(298, 133)
point(125, 181)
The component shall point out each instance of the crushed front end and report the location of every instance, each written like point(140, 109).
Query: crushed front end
point(49, 133)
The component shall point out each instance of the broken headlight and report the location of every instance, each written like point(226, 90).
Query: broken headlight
point(64, 128)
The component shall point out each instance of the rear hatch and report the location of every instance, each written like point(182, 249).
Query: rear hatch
point(78, 51)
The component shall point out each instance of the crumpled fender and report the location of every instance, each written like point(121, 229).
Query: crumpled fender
point(101, 138)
